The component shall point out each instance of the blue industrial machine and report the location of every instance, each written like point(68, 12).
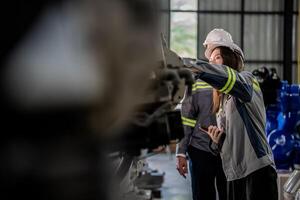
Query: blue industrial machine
point(282, 101)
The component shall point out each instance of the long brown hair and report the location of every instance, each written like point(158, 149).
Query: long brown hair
point(230, 59)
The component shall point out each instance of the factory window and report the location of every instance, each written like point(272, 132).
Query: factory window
point(184, 27)
point(184, 34)
point(258, 27)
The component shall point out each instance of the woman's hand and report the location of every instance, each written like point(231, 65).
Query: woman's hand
point(214, 133)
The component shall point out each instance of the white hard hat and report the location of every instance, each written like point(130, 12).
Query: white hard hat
point(220, 37)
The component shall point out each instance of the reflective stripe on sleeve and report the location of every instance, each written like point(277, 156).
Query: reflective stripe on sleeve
point(230, 81)
point(256, 85)
point(188, 122)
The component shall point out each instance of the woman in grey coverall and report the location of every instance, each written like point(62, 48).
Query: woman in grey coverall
point(239, 136)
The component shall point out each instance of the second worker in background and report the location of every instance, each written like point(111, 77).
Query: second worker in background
point(205, 167)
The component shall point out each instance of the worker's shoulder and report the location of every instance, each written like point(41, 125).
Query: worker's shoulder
point(247, 74)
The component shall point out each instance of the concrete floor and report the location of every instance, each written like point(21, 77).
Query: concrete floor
point(175, 187)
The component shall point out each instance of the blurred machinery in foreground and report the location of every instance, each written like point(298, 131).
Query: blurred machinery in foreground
point(79, 83)
point(156, 123)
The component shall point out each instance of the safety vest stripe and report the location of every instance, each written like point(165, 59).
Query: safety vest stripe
point(201, 87)
point(188, 124)
point(189, 120)
point(200, 84)
point(256, 85)
point(256, 82)
point(228, 80)
point(232, 82)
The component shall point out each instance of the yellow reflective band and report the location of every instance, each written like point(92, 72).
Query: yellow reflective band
point(232, 82)
point(189, 120)
point(228, 80)
point(199, 84)
point(256, 82)
point(201, 87)
point(256, 85)
point(188, 124)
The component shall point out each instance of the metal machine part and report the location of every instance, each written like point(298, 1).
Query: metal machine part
point(297, 197)
point(137, 180)
point(292, 185)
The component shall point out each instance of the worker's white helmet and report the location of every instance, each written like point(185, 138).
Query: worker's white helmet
point(220, 37)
